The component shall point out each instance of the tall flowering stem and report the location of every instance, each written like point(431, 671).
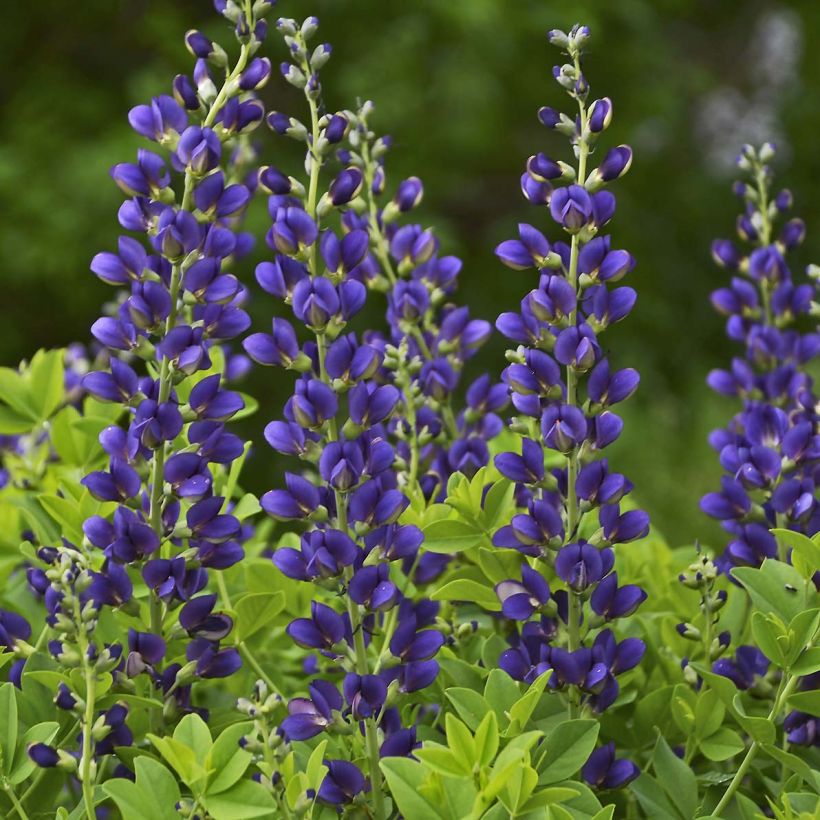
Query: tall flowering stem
point(770, 449)
point(346, 497)
point(161, 525)
point(431, 338)
point(563, 388)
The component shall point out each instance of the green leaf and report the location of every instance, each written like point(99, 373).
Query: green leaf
point(182, 759)
point(486, 739)
point(801, 632)
point(255, 611)
point(766, 629)
point(653, 709)
point(653, 799)
point(498, 504)
point(445, 761)
point(498, 565)
point(709, 713)
point(676, 778)
point(155, 793)
point(460, 673)
point(547, 797)
point(808, 663)
point(501, 692)
point(469, 704)
point(405, 778)
point(16, 393)
point(761, 729)
point(462, 589)
point(65, 513)
point(315, 769)
point(568, 746)
point(460, 740)
point(247, 506)
point(805, 553)
point(722, 745)
point(47, 382)
point(193, 732)
point(522, 710)
point(227, 760)
point(808, 702)
point(8, 725)
point(245, 800)
point(792, 762)
point(13, 423)
point(775, 587)
point(451, 536)
point(520, 785)
point(23, 766)
point(251, 406)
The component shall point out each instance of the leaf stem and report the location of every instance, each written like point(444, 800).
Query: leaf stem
point(787, 686)
point(18, 806)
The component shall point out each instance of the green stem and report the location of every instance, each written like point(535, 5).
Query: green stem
point(575, 612)
point(786, 687)
point(379, 240)
point(370, 729)
point(244, 649)
point(371, 732)
point(87, 755)
point(166, 374)
point(18, 806)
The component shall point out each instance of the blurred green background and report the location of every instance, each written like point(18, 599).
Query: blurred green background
point(457, 83)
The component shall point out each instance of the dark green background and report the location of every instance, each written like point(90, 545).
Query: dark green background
point(457, 83)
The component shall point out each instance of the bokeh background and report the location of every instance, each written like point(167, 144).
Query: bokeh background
point(457, 83)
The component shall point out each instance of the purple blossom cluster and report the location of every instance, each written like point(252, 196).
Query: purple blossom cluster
point(563, 388)
point(771, 449)
point(346, 496)
point(430, 336)
point(162, 525)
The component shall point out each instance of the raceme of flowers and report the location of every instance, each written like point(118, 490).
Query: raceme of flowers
point(451, 605)
point(770, 448)
point(563, 388)
point(336, 422)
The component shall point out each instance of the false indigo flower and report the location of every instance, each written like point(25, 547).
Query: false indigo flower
point(179, 304)
point(770, 448)
point(562, 385)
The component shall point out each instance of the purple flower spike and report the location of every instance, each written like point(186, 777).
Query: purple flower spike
point(765, 450)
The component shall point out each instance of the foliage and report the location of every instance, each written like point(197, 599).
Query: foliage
point(449, 608)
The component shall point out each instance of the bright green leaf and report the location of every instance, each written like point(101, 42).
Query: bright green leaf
point(568, 746)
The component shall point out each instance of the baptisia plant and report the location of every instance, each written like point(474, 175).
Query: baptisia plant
point(563, 389)
point(769, 507)
point(370, 643)
point(770, 448)
point(160, 522)
point(431, 337)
